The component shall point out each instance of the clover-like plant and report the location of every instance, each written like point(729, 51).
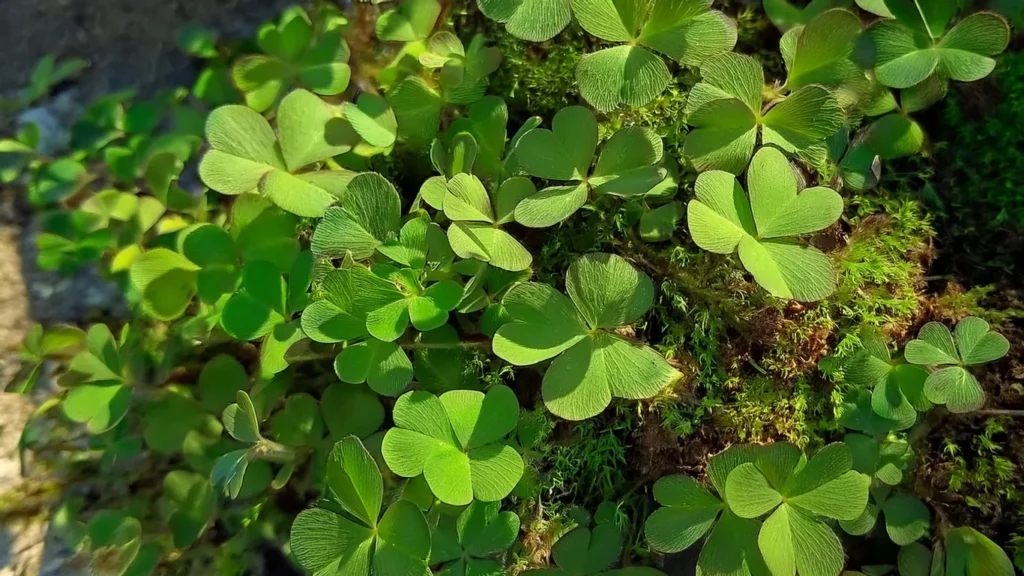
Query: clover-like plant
point(410, 21)
point(588, 550)
point(466, 544)
point(116, 547)
point(851, 161)
point(627, 165)
point(950, 354)
point(368, 220)
point(689, 511)
point(228, 473)
point(297, 52)
point(786, 16)
point(963, 551)
point(532, 20)
point(189, 504)
point(100, 381)
point(247, 156)
point(348, 534)
point(59, 343)
point(915, 41)
point(722, 219)
point(907, 519)
point(727, 112)
point(475, 231)
point(592, 363)
point(456, 442)
point(897, 389)
point(463, 71)
point(799, 493)
point(687, 31)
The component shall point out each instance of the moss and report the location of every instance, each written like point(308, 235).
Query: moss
point(764, 411)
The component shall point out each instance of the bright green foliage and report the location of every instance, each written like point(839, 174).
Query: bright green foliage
point(189, 503)
point(533, 20)
point(690, 511)
point(101, 391)
point(786, 16)
point(722, 219)
point(798, 492)
point(463, 71)
point(246, 155)
point(475, 230)
point(455, 441)
point(591, 363)
point(906, 518)
point(116, 542)
point(949, 355)
point(47, 73)
point(687, 31)
point(328, 543)
point(466, 544)
point(41, 345)
point(367, 219)
point(883, 460)
point(627, 166)
point(297, 52)
point(967, 553)
point(853, 161)
point(898, 390)
point(726, 110)
point(919, 42)
point(822, 53)
point(410, 21)
point(587, 551)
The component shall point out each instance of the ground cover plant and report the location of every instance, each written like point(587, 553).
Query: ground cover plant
point(387, 321)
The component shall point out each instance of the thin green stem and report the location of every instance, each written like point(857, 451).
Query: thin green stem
point(274, 452)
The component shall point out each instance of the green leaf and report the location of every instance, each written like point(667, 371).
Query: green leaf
point(621, 75)
point(298, 423)
point(228, 472)
point(372, 117)
point(417, 109)
point(382, 365)
point(455, 443)
point(794, 542)
point(659, 224)
point(784, 15)
point(906, 519)
point(824, 47)
point(933, 346)
point(219, 381)
point(310, 131)
point(165, 281)
point(720, 219)
point(324, 542)
point(688, 513)
point(411, 21)
point(532, 20)
point(749, 492)
point(976, 344)
point(351, 410)
point(608, 291)
point(99, 406)
point(193, 503)
point(970, 552)
point(732, 548)
point(894, 136)
point(355, 481)
point(914, 560)
point(547, 323)
point(240, 419)
point(367, 216)
point(564, 152)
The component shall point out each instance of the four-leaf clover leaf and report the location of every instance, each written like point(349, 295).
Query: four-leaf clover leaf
point(722, 220)
point(689, 511)
point(465, 544)
point(361, 541)
point(971, 344)
point(592, 363)
point(726, 111)
point(687, 31)
point(455, 441)
point(246, 156)
point(626, 167)
point(897, 389)
point(295, 53)
point(919, 43)
point(798, 492)
point(475, 231)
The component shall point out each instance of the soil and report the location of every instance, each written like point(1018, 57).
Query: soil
point(128, 43)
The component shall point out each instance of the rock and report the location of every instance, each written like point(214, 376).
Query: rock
point(54, 120)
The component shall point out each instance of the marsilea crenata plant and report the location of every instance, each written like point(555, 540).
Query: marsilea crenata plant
point(395, 294)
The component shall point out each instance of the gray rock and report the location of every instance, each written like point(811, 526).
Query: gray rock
point(54, 120)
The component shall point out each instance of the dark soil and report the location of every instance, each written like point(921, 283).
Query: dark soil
point(128, 43)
